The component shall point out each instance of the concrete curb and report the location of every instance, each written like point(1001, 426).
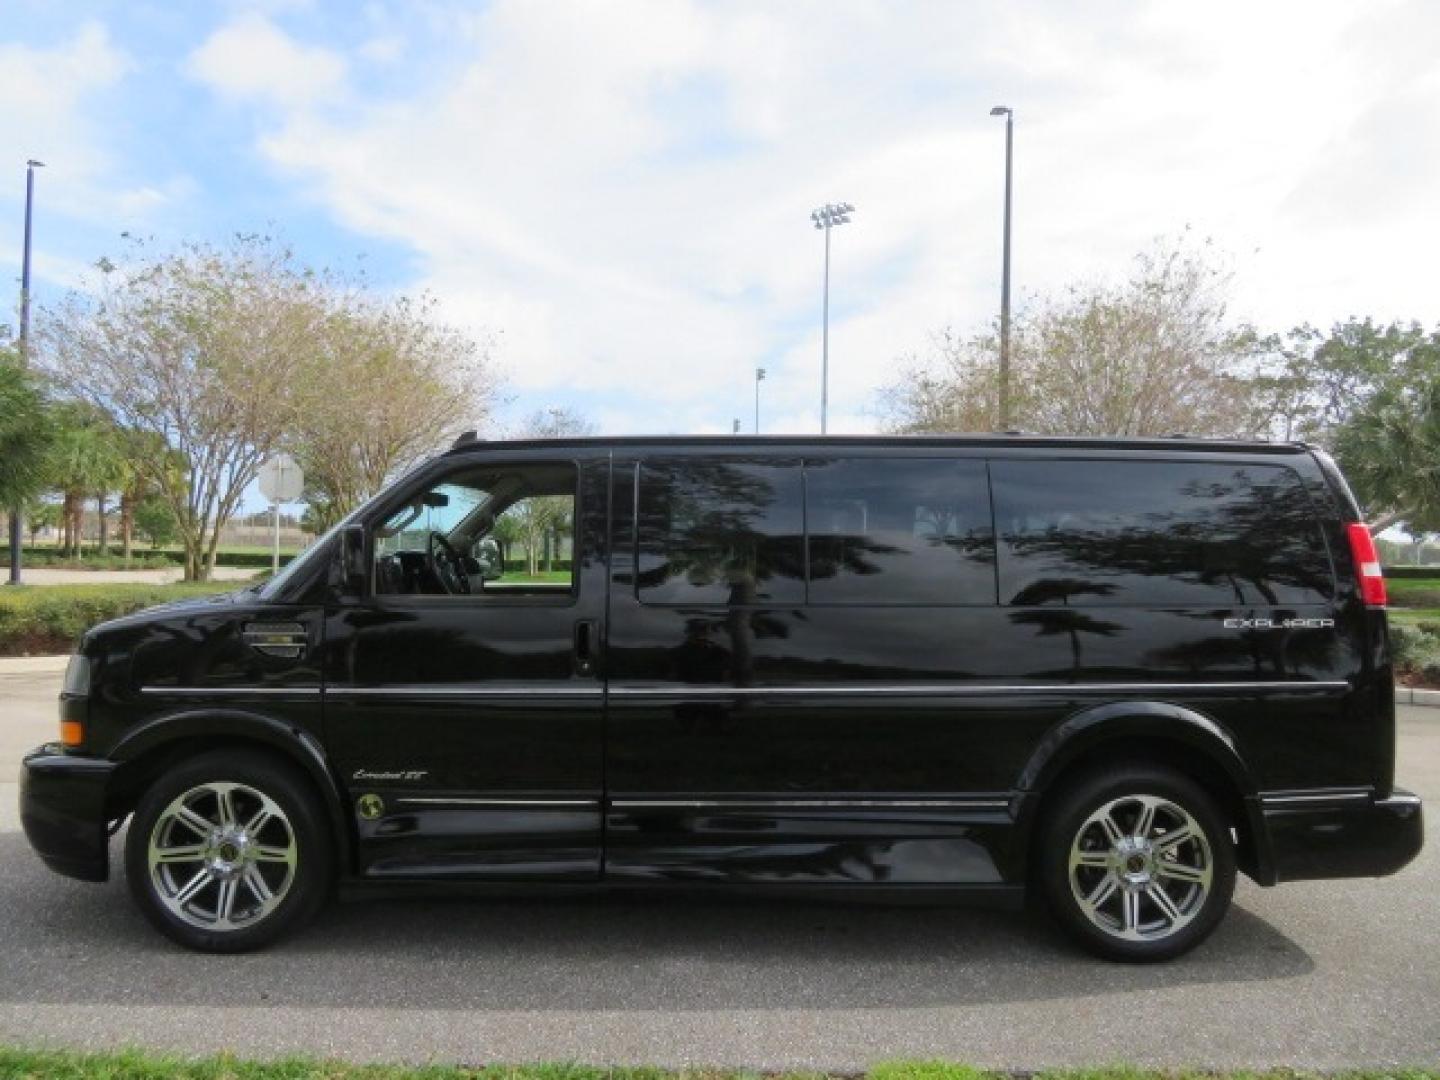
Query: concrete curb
point(1404, 695)
point(32, 665)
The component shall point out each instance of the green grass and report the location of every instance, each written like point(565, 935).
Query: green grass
point(40, 619)
point(18, 1064)
point(145, 557)
point(1413, 592)
point(1411, 616)
point(546, 577)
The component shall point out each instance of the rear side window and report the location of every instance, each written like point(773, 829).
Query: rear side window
point(1148, 532)
point(713, 531)
point(899, 531)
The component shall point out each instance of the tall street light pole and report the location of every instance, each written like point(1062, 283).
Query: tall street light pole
point(759, 378)
point(1009, 114)
point(827, 217)
point(17, 512)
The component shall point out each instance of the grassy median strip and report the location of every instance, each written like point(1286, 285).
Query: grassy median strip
point(17, 1064)
point(36, 620)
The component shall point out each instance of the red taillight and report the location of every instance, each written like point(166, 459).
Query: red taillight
point(1367, 565)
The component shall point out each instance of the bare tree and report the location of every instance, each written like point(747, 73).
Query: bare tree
point(1152, 355)
point(382, 384)
point(542, 520)
point(556, 422)
point(195, 347)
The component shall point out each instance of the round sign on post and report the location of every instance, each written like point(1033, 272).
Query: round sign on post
point(281, 481)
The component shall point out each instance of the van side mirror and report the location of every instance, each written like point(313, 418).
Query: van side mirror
point(353, 564)
point(488, 563)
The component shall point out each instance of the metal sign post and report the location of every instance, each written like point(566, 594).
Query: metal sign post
point(281, 481)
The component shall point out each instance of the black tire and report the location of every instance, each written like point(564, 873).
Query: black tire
point(1136, 869)
point(299, 881)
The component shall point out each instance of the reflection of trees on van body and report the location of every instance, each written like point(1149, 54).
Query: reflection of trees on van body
point(919, 526)
point(1292, 654)
point(1233, 537)
point(706, 522)
point(725, 530)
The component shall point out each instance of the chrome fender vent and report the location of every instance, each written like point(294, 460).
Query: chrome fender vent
point(286, 639)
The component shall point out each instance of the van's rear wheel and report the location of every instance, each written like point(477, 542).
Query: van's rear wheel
point(1136, 862)
point(228, 851)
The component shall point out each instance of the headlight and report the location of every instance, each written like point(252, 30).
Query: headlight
point(77, 677)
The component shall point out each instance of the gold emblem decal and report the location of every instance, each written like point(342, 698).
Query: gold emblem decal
point(370, 807)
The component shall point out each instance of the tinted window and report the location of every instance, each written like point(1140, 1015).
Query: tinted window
point(899, 530)
point(1110, 532)
point(716, 531)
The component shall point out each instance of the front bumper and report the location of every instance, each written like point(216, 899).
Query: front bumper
point(62, 809)
point(1305, 837)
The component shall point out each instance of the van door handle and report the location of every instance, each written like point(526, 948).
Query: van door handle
point(585, 646)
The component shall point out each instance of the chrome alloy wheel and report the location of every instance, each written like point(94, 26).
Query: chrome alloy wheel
point(1141, 868)
point(222, 856)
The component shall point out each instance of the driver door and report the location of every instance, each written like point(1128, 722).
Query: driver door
point(463, 700)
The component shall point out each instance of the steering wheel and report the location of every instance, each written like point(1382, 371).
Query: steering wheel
point(444, 564)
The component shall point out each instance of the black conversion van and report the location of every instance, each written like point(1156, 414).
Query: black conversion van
point(1114, 671)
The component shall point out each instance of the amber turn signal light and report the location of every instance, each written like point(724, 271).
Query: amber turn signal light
point(72, 732)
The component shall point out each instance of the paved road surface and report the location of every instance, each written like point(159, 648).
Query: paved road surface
point(1322, 974)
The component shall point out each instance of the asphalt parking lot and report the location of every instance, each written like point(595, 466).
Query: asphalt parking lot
point(1323, 975)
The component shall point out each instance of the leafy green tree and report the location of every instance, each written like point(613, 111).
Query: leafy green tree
point(1389, 447)
point(1371, 394)
point(84, 458)
point(41, 514)
point(155, 520)
point(26, 428)
point(507, 533)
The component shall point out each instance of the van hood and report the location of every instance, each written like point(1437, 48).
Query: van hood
point(159, 612)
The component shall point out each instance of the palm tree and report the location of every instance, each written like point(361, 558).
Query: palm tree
point(84, 459)
point(506, 533)
point(135, 484)
point(25, 432)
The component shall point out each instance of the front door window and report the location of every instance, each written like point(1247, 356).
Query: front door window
point(486, 530)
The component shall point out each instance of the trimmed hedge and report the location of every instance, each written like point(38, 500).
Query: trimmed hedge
point(520, 566)
point(1407, 573)
point(47, 558)
point(48, 619)
point(142, 559)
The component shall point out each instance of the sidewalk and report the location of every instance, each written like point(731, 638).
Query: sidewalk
point(50, 576)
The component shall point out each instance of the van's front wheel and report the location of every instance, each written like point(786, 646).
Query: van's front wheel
point(228, 851)
point(1137, 863)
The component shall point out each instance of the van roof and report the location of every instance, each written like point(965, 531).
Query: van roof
point(468, 442)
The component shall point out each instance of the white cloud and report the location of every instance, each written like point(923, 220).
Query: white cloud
point(53, 99)
point(251, 59)
point(624, 188)
point(43, 92)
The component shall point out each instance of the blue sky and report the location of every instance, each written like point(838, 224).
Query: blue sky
point(617, 193)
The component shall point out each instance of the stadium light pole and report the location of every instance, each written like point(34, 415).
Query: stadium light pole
point(17, 512)
point(759, 378)
point(1009, 114)
point(827, 217)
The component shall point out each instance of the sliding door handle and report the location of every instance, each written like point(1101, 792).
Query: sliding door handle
point(586, 644)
